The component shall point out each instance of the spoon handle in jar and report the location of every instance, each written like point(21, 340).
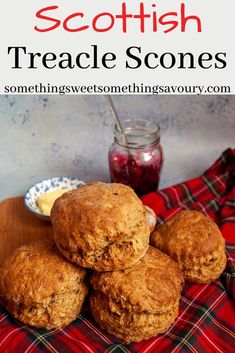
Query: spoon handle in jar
point(114, 113)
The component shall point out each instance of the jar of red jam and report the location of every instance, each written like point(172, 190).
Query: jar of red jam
point(136, 156)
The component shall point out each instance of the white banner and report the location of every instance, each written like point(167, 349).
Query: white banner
point(117, 46)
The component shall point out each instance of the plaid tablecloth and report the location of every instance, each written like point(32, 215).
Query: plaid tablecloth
point(206, 321)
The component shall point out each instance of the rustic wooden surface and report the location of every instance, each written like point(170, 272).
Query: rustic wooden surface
point(18, 226)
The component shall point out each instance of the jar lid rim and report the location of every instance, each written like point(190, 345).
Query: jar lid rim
point(138, 133)
point(151, 124)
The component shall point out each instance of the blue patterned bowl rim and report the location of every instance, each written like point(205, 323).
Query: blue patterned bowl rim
point(45, 185)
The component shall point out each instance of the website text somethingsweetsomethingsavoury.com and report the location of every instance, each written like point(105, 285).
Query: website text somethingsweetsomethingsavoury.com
point(131, 88)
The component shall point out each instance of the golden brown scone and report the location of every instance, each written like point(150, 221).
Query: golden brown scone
point(39, 287)
point(137, 303)
point(101, 226)
point(195, 242)
point(151, 218)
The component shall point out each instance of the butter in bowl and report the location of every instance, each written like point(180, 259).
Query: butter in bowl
point(40, 198)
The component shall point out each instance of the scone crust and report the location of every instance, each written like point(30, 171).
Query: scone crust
point(195, 242)
point(101, 226)
point(39, 287)
point(138, 302)
point(131, 326)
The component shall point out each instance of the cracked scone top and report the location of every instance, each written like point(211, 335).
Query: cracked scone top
point(101, 226)
point(39, 287)
point(195, 242)
point(138, 302)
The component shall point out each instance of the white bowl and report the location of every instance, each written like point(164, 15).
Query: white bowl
point(62, 182)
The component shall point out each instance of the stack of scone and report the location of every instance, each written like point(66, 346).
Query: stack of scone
point(106, 228)
point(136, 288)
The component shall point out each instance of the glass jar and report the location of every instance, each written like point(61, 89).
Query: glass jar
point(136, 157)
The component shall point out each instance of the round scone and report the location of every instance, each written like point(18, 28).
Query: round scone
point(195, 242)
point(137, 303)
point(39, 287)
point(101, 226)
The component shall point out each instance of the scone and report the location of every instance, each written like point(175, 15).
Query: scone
point(39, 287)
point(101, 226)
point(195, 242)
point(137, 303)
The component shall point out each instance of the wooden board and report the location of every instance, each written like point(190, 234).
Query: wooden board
point(18, 226)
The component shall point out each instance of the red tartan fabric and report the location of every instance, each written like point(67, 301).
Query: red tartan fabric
point(206, 321)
